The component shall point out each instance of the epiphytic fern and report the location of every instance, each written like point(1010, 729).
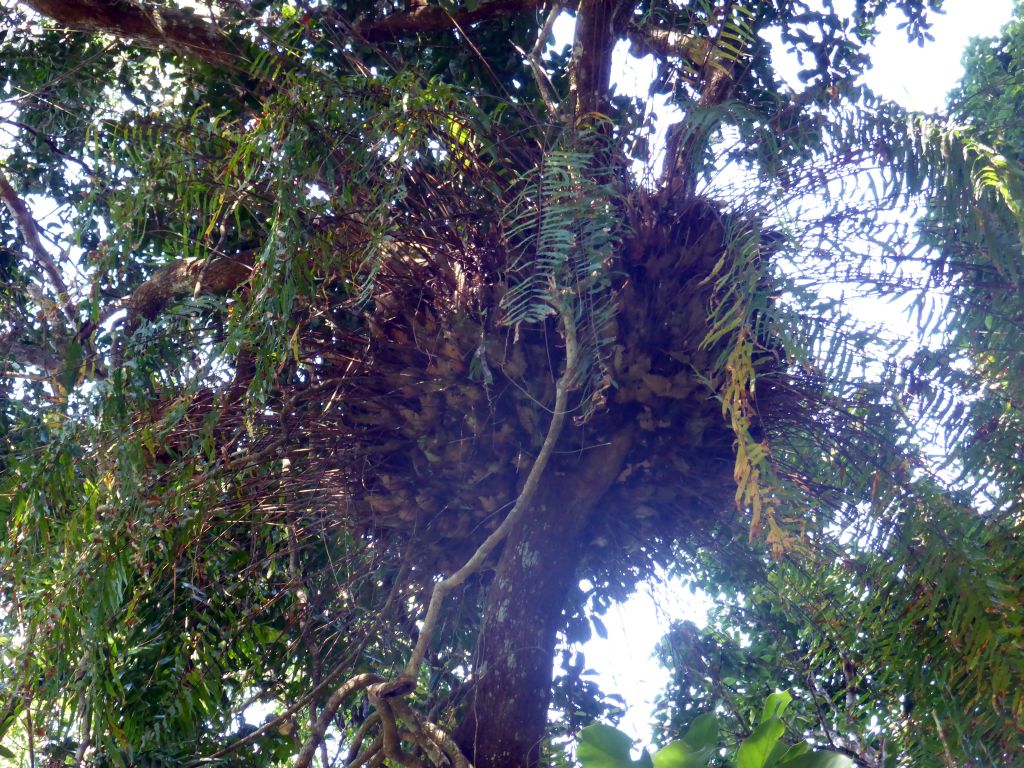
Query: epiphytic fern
point(563, 232)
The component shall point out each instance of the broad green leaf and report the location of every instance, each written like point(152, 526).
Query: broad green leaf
point(73, 356)
point(601, 746)
point(775, 705)
point(755, 749)
point(703, 732)
point(679, 754)
point(779, 751)
point(794, 751)
point(819, 760)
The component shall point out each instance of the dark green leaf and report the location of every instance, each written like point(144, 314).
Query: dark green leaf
point(601, 746)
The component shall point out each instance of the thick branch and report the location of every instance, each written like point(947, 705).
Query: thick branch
point(218, 276)
point(433, 732)
point(592, 56)
point(667, 42)
point(149, 24)
point(357, 683)
point(432, 17)
point(29, 354)
point(687, 138)
point(153, 25)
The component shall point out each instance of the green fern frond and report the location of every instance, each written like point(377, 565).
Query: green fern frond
point(564, 233)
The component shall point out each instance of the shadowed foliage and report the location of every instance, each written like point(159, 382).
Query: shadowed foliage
point(357, 357)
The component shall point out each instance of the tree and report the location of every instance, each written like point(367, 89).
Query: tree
point(894, 645)
point(356, 342)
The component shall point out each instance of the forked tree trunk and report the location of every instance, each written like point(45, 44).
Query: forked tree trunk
point(506, 719)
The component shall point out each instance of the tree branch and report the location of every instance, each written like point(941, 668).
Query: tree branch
point(590, 76)
point(218, 276)
point(186, 33)
point(30, 232)
point(382, 693)
point(687, 138)
point(434, 18)
point(357, 683)
point(667, 42)
point(544, 85)
point(434, 732)
point(149, 24)
point(523, 502)
point(29, 354)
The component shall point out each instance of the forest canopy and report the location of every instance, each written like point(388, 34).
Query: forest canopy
point(358, 356)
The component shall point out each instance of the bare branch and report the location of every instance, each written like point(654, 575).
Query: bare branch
point(357, 683)
point(184, 32)
point(149, 24)
point(434, 732)
point(667, 42)
point(389, 729)
point(544, 84)
point(360, 735)
point(30, 354)
point(686, 139)
point(523, 502)
point(84, 718)
point(30, 232)
point(366, 756)
point(384, 695)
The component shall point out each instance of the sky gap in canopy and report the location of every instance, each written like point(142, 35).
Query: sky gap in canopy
point(918, 78)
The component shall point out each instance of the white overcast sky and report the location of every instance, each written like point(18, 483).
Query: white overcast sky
point(919, 78)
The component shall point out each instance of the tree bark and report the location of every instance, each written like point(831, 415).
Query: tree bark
point(506, 720)
point(148, 24)
point(590, 76)
point(218, 276)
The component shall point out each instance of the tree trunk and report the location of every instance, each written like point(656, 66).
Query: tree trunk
point(505, 722)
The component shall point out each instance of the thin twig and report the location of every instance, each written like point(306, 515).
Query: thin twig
point(950, 763)
point(84, 717)
point(544, 84)
point(822, 719)
point(305, 625)
point(299, 704)
point(32, 734)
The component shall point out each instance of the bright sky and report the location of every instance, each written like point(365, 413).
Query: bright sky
point(917, 78)
point(920, 78)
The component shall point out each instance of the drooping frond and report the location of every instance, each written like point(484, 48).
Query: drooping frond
point(565, 232)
